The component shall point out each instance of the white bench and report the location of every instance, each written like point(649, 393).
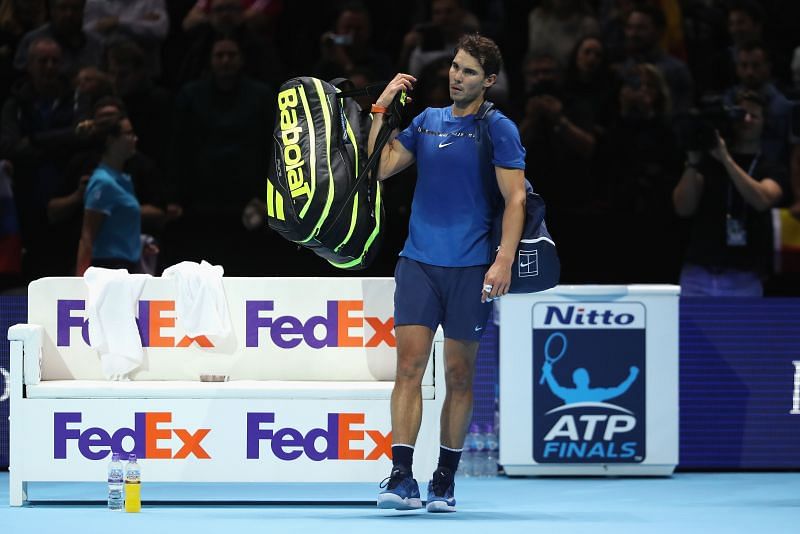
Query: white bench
point(310, 362)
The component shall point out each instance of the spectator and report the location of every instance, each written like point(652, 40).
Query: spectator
point(176, 44)
point(561, 144)
point(259, 59)
point(111, 229)
point(37, 134)
point(78, 48)
point(745, 24)
point(433, 86)
point(360, 114)
point(10, 240)
point(754, 72)
point(147, 104)
point(728, 194)
point(17, 17)
point(612, 15)
point(144, 21)
point(259, 15)
point(222, 134)
point(557, 25)
point(65, 209)
point(707, 41)
point(348, 47)
point(590, 79)
point(546, 117)
point(437, 36)
point(643, 30)
point(640, 164)
point(90, 84)
point(437, 39)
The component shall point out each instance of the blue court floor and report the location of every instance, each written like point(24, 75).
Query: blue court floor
point(767, 503)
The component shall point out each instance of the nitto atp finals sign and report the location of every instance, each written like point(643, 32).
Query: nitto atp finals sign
point(589, 391)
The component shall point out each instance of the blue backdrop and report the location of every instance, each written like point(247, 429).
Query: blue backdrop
point(13, 310)
point(736, 381)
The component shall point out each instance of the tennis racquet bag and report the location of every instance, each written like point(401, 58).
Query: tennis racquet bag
point(322, 193)
point(536, 265)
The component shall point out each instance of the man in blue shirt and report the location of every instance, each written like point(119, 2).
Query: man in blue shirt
point(445, 274)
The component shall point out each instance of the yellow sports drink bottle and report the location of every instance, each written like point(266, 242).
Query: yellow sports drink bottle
point(133, 485)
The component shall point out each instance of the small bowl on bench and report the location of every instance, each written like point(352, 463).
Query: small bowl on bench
point(213, 378)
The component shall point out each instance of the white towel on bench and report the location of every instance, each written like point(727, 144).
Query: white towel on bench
point(113, 294)
point(201, 307)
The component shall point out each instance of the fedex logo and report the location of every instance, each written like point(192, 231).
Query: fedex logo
point(335, 442)
point(156, 324)
point(151, 436)
point(334, 329)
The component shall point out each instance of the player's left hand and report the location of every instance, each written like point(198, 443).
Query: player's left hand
point(497, 281)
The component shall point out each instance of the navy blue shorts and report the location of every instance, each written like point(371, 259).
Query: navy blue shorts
point(428, 295)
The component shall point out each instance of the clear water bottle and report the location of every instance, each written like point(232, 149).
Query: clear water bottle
point(465, 463)
point(496, 422)
point(133, 485)
point(492, 452)
point(500, 469)
point(477, 452)
point(115, 499)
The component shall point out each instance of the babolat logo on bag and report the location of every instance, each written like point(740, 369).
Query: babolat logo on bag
point(321, 194)
point(588, 382)
point(291, 134)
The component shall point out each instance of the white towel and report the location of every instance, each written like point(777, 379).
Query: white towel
point(113, 295)
point(201, 306)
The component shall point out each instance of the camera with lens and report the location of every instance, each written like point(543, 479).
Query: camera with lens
point(544, 87)
point(432, 37)
point(697, 129)
point(632, 80)
point(332, 39)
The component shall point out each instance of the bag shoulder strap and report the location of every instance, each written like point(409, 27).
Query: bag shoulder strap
point(486, 110)
point(390, 122)
point(348, 90)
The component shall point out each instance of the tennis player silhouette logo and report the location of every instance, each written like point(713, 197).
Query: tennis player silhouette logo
point(581, 393)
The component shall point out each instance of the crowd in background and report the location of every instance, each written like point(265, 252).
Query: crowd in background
point(618, 103)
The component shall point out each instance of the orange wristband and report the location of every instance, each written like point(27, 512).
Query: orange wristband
point(378, 109)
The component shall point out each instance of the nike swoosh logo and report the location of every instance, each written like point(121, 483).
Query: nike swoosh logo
point(526, 264)
point(442, 145)
point(478, 328)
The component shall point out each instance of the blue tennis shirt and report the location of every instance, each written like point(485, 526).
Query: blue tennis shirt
point(453, 205)
point(111, 193)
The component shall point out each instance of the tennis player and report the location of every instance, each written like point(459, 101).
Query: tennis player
point(445, 275)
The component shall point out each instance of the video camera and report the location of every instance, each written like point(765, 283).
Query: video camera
point(544, 87)
point(696, 129)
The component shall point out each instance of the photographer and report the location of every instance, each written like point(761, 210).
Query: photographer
point(754, 72)
point(638, 166)
point(348, 48)
point(559, 133)
point(546, 114)
point(437, 37)
point(728, 196)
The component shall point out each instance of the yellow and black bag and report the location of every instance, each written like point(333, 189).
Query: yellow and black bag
point(322, 194)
